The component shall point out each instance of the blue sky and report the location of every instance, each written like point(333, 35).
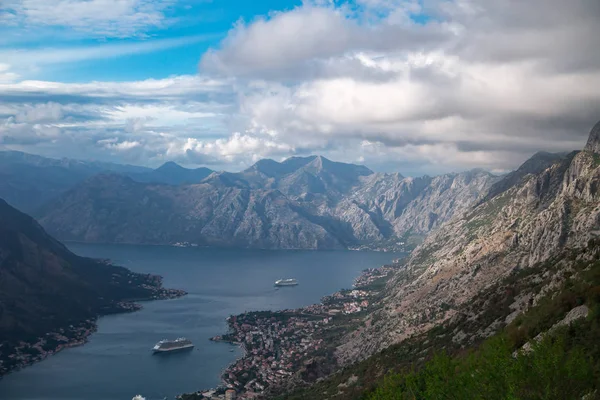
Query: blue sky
point(204, 23)
point(415, 86)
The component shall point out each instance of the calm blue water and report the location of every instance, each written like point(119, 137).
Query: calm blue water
point(117, 363)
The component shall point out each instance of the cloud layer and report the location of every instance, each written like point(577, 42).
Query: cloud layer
point(416, 86)
point(106, 18)
point(459, 83)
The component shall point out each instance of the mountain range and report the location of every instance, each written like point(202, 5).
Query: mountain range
point(302, 202)
point(29, 181)
point(497, 302)
point(493, 249)
point(529, 224)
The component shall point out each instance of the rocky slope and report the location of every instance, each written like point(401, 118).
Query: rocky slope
point(113, 208)
point(402, 207)
point(310, 203)
point(531, 220)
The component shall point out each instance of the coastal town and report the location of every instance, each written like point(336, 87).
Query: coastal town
point(25, 353)
point(280, 346)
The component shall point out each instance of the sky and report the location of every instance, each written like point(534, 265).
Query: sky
point(411, 86)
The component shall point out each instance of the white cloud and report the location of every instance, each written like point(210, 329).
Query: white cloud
point(300, 42)
point(6, 75)
point(469, 83)
point(136, 121)
point(236, 148)
point(48, 112)
point(173, 87)
point(24, 134)
point(160, 114)
point(287, 38)
point(120, 146)
point(108, 18)
point(415, 86)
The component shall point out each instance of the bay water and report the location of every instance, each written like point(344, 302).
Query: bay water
point(117, 362)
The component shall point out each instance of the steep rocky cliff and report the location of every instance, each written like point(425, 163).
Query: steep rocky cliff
point(112, 208)
point(532, 219)
point(593, 144)
point(310, 203)
point(415, 206)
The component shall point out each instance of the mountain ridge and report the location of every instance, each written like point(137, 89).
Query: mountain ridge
point(540, 216)
point(28, 181)
point(172, 173)
point(313, 205)
point(593, 143)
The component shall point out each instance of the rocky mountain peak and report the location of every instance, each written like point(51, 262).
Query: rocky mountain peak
point(593, 143)
point(170, 166)
point(317, 164)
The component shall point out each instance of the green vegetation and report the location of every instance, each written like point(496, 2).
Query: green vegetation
point(564, 365)
point(553, 370)
point(376, 286)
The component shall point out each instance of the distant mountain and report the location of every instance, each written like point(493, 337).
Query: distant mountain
point(45, 288)
point(113, 208)
point(296, 176)
point(412, 207)
point(536, 164)
point(323, 176)
point(308, 202)
point(17, 157)
point(173, 174)
point(27, 181)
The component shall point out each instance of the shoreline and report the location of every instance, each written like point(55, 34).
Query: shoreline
point(67, 344)
point(377, 249)
point(279, 344)
point(27, 354)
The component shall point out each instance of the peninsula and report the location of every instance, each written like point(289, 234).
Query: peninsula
point(51, 298)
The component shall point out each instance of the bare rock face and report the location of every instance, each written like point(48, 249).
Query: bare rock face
point(530, 221)
point(593, 143)
point(415, 206)
point(308, 203)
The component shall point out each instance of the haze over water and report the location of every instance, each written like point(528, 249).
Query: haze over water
point(117, 362)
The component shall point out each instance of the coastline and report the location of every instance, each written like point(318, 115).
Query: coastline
point(24, 353)
point(282, 346)
point(382, 249)
point(28, 353)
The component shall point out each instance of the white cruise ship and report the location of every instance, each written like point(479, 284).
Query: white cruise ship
point(286, 282)
point(165, 346)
